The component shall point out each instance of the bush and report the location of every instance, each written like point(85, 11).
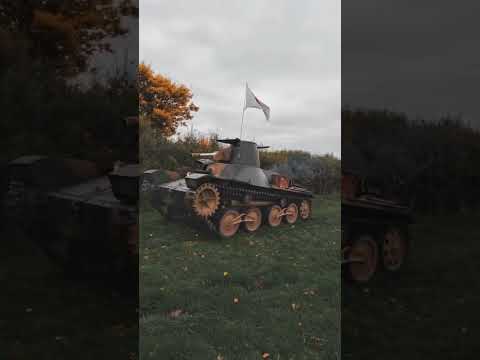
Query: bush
point(435, 163)
point(321, 174)
point(157, 151)
point(45, 115)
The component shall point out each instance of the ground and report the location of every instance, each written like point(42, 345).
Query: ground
point(274, 294)
point(430, 310)
point(45, 314)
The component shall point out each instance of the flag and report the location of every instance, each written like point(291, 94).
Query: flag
point(251, 101)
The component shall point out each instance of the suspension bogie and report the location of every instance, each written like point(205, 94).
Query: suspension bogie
point(226, 210)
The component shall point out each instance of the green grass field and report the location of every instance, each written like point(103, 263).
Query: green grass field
point(44, 314)
point(430, 311)
point(274, 294)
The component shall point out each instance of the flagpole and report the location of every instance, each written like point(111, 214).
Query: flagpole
point(243, 111)
point(241, 127)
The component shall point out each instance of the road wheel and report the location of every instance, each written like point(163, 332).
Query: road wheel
point(229, 223)
point(291, 216)
point(305, 210)
point(364, 259)
point(275, 216)
point(394, 249)
point(253, 219)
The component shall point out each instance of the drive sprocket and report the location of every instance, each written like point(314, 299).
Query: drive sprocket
point(206, 200)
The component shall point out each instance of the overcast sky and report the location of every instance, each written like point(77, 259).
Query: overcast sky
point(289, 52)
point(418, 57)
point(124, 55)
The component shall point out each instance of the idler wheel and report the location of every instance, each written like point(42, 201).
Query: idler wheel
point(394, 249)
point(252, 219)
point(305, 210)
point(363, 259)
point(206, 200)
point(275, 216)
point(229, 223)
point(291, 214)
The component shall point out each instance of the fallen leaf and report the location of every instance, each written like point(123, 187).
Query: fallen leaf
point(309, 292)
point(295, 307)
point(176, 313)
point(259, 283)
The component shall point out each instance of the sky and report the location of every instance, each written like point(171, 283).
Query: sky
point(289, 53)
point(423, 60)
point(123, 57)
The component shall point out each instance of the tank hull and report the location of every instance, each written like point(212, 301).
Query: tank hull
point(175, 200)
point(81, 224)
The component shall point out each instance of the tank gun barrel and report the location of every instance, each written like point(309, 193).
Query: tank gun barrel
point(204, 155)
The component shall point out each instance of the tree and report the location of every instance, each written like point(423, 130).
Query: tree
point(67, 32)
point(162, 103)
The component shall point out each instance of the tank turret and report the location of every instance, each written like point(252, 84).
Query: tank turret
point(125, 177)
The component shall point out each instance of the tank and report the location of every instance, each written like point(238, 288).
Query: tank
point(78, 222)
point(375, 227)
point(230, 189)
point(84, 218)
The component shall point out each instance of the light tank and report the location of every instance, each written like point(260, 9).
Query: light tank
point(230, 190)
point(375, 228)
point(83, 216)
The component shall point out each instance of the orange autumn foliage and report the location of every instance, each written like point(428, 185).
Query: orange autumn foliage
point(67, 33)
point(163, 104)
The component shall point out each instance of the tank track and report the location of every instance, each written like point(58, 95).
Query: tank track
point(233, 191)
point(230, 191)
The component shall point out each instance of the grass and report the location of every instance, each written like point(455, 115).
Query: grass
point(427, 312)
point(45, 315)
point(274, 294)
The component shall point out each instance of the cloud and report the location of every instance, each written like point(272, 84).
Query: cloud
point(288, 52)
point(122, 58)
point(421, 60)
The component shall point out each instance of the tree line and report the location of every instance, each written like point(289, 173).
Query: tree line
point(432, 163)
point(46, 44)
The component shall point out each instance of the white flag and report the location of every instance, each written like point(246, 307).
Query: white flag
point(251, 101)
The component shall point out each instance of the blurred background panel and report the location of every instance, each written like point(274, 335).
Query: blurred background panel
point(68, 146)
point(410, 149)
